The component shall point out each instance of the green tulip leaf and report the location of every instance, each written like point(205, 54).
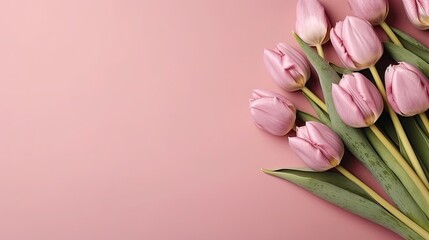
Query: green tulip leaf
point(342, 192)
point(340, 70)
point(305, 117)
point(356, 141)
point(404, 152)
point(401, 54)
point(419, 140)
point(421, 125)
point(413, 45)
point(402, 174)
point(323, 116)
point(385, 123)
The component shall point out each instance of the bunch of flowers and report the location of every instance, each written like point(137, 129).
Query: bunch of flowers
point(382, 123)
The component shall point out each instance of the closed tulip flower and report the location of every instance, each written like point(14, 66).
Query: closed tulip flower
point(418, 12)
point(374, 11)
point(357, 100)
point(272, 112)
point(318, 146)
point(407, 89)
point(312, 24)
point(289, 68)
point(356, 43)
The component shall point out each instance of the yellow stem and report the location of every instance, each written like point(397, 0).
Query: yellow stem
point(386, 205)
point(320, 50)
point(315, 98)
point(425, 121)
point(390, 33)
point(401, 160)
point(399, 129)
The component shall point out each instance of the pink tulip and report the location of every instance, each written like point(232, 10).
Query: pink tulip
point(272, 112)
point(312, 24)
point(407, 89)
point(374, 11)
point(288, 67)
point(318, 146)
point(357, 100)
point(356, 43)
point(418, 12)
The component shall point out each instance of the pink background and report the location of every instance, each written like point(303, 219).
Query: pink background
point(127, 119)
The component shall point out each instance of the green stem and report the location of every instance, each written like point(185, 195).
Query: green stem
point(320, 50)
point(399, 129)
point(395, 212)
point(390, 33)
point(425, 121)
point(315, 98)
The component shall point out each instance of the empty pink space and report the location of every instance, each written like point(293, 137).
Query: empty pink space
point(128, 119)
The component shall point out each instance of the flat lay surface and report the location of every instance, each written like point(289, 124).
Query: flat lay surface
point(129, 120)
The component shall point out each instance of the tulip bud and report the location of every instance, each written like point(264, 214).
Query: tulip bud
point(272, 112)
point(288, 67)
point(357, 101)
point(374, 11)
point(356, 43)
point(407, 89)
point(312, 24)
point(318, 146)
point(418, 12)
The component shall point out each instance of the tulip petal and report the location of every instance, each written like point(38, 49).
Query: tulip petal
point(339, 47)
point(292, 57)
point(417, 12)
point(369, 94)
point(302, 132)
point(415, 70)
point(288, 68)
point(272, 115)
point(411, 10)
point(364, 95)
point(409, 93)
point(295, 63)
point(259, 93)
point(311, 22)
point(272, 62)
point(346, 108)
point(374, 11)
point(361, 42)
point(325, 139)
point(423, 7)
point(357, 91)
point(312, 156)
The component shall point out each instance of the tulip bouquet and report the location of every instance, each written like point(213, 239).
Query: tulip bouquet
point(382, 123)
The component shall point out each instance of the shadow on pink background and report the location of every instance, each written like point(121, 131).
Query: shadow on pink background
point(127, 119)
